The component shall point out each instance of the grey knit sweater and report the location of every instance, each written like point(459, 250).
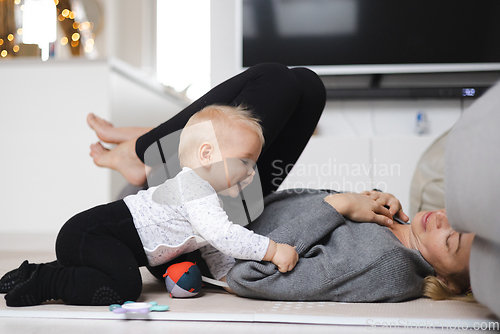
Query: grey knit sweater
point(340, 260)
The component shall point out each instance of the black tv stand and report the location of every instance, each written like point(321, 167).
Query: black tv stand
point(462, 85)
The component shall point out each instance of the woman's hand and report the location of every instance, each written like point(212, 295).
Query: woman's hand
point(368, 206)
point(388, 200)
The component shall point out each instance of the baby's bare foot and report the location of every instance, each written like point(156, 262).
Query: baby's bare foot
point(123, 159)
point(109, 134)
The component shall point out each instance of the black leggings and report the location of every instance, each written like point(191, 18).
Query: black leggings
point(98, 258)
point(99, 251)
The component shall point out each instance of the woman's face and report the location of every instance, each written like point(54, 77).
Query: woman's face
point(445, 249)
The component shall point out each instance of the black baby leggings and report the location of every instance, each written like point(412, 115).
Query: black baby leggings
point(99, 251)
point(98, 258)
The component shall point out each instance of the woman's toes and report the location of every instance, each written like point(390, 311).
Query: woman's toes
point(95, 150)
point(92, 121)
point(96, 122)
point(104, 129)
point(121, 158)
point(99, 153)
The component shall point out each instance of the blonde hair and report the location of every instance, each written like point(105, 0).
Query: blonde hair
point(223, 119)
point(436, 289)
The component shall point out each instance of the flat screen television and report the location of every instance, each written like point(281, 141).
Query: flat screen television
point(373, 36)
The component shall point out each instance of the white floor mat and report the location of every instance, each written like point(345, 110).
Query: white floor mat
point(217, 305)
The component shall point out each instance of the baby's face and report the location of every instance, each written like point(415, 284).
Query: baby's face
point(240, 153)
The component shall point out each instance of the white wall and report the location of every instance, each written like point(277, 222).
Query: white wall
point(133, 104)
point(225, 30)
point(384, 118)
point(46, 174)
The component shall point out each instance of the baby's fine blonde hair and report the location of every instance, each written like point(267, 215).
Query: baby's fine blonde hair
point(223, 119)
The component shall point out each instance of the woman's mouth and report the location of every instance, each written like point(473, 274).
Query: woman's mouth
point(425, 218)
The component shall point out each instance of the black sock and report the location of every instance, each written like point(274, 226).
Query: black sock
point(17, 276)
point(30, 292)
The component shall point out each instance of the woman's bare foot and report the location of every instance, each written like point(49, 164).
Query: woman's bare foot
point(123, 159)
point(109, 134)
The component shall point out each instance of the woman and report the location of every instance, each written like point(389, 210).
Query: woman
point(290, 102)
point(341, 260)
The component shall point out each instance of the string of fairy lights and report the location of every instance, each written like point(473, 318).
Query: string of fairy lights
point(78, 33)
point(10, 38)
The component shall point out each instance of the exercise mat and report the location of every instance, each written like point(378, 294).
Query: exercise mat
point(216, 305)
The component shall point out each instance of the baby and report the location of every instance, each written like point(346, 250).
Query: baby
point(218, 149)
point(99, 251)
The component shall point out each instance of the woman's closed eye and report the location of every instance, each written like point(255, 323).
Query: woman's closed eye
point(448, 240)
point(457, 242)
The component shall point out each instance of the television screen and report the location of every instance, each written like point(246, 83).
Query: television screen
point(404, 33)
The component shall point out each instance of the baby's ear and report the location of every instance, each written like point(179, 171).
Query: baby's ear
point(206, 154)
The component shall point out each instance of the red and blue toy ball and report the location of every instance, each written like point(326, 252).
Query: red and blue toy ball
point(183, 280)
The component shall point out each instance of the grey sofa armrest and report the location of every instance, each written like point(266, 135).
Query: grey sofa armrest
point(472, 168)
point(472, 191)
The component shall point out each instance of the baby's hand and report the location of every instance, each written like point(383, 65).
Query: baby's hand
point(285, 258)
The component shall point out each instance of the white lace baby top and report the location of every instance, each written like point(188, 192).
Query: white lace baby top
point(191, 217)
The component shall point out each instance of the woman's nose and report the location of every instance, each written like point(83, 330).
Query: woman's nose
point(441, 219)
point(438, 223)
